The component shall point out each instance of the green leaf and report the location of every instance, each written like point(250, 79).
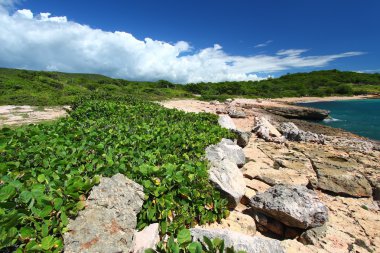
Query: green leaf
point(195, 247)
point(209, 244)
point(150, 251)
point(41, 178)
point(7, 192)
point(47, 242)
point(184, 236)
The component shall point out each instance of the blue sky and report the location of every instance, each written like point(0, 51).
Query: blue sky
point(192, 41)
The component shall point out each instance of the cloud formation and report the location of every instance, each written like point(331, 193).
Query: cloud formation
point(46, 42)
point(266, 43)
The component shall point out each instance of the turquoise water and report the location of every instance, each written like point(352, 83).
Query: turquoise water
point(361, 117)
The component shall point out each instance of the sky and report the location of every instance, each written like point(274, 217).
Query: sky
point(189, 41)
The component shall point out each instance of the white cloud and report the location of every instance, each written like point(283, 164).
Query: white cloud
point(45, 42)
point(266, 43)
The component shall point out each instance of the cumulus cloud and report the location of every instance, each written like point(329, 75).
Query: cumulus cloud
point(45, 42)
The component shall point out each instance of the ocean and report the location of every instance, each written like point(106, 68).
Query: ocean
point(361, 117)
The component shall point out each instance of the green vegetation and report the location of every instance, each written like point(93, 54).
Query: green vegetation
point(184, 244)
point(55, 88)
point(318, 83)
point(47, 170)
point(25, 87)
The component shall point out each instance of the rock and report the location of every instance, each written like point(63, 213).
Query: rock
point(261, 121)
point(107, 223)
point(147, 238)
point(229, 180)
point(221, 111)
point(295, 206)
point(256, 185)
point(229, 100)
point(268, 223)
point(226, 149)
point(293, 133)
point(214, 102)
point(312, 236)
point(249, 244)
point(296, 112)
point(242, 137)
point(293, 246)
point(235, 113)
point(226, 122)
point(237, 222)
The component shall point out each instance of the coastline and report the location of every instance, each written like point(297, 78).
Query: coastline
point(299, 100)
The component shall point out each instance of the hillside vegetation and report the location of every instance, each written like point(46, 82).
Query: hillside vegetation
point(24, 87)
point(47, 170)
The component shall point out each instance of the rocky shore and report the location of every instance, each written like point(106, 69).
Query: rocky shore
point(309, 187)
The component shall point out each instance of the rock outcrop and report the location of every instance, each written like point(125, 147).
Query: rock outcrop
point(242, 137)
point(226, 149)
point(265, 130)
point(249, 244)
point(107, 223)
point(293, 133)
point(236, 113)
point(295, 206)
point(296, 112)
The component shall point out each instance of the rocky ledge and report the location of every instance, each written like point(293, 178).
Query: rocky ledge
point(308, 187)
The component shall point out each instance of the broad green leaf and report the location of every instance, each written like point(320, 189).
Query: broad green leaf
point(7, 192)
point(184, 236)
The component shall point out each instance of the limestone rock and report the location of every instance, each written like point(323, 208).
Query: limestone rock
point(146, 238)
point(242, 137)
point(226, 122)
point(228, 179)
point(312, 236)
point(268, 223)
point(235, 113)
point(295, 206)
point(265, 130)
point(226, 149)
point(237, 222)
point(293, 133)
point(107, 223)
point(297, 112)
point(249, 244)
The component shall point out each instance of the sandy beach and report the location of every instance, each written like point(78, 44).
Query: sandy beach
point(322, 99)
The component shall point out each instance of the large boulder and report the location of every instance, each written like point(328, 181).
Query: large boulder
point(108, 222)
point(226, 149)
point(249, 244)
point(295, 206)
point(228, 179)
point(266, 131)
point(226, 122)
point(235, 113)
point(242, 137)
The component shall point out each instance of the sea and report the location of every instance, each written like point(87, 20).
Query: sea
point(361, 117)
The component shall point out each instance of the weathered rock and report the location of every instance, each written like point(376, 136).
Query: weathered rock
point(237, 222)
point(293, 246)
point(228, 179)
point(313, 235)
point(297, 112)
point(295, 206)
point(293, 133)
point(256, 185)
point(226, 122)
point(226, 149)
point(242, 137)
point(235, 113)
point(107, 223)
point(146, 238)
point(266, 131)
point(250, 244)
point(221, 111)
point(268, 223)
point(214, 102)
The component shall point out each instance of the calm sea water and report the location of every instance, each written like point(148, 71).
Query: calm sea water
point(357, 116)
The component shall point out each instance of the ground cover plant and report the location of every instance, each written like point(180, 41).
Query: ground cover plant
point(47, 170)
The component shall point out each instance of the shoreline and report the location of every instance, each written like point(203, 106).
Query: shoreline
point(300, 100)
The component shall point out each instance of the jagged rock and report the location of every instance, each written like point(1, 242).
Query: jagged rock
point(214, 102)
point(293, 133)
point(228, 179)
point(226, 122)
point(296, 112)
point(293, 246)
point(261, 121)
point(226, 149)
point(235, 113)
point(237, 222)
point(146, 238)
point(295, 206)
point(107, 223)
point(221, 111)
point(249, 244)
point(242, 137)
point(267, 131)
point(312, 236)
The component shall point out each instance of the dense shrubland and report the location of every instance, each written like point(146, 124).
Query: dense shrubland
point(47, 170)
point(55, 88)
